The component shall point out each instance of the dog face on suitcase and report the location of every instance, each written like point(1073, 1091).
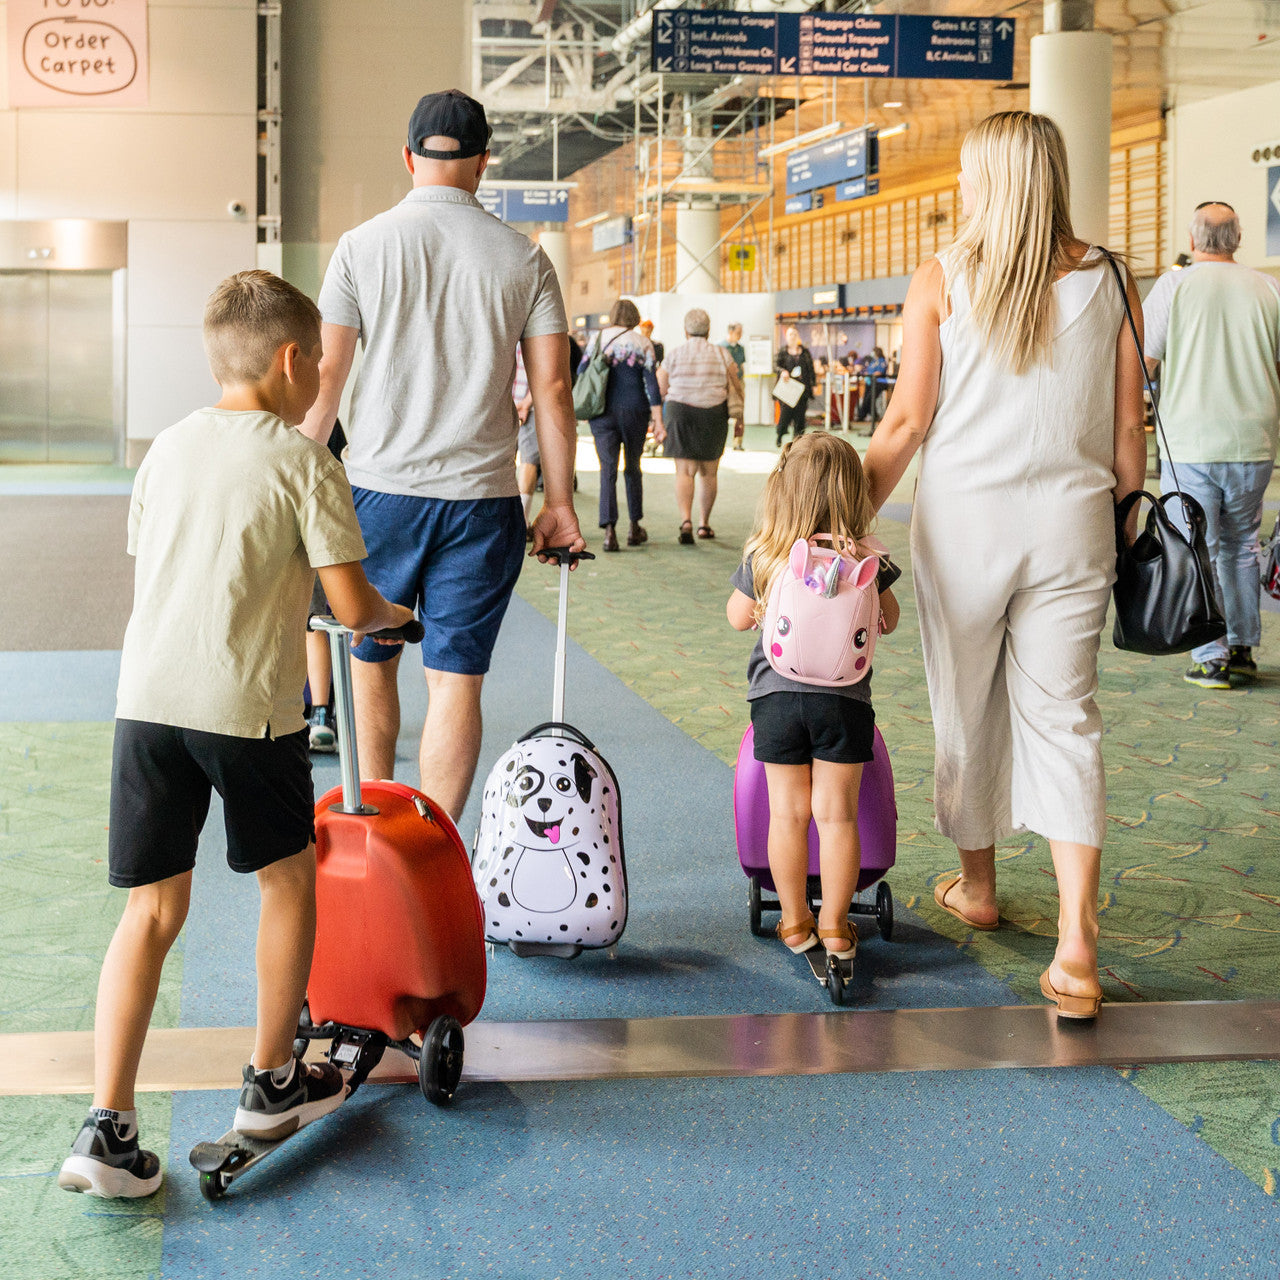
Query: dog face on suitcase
point(548, 856)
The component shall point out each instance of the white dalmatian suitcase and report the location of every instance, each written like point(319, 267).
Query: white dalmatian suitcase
point(548, 860)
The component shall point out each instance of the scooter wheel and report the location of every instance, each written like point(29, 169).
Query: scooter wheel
point(440, 1062)
point(757, 926)
point(835, 981)
point(213, 1186)
point(300, 1046)
point(884, 910)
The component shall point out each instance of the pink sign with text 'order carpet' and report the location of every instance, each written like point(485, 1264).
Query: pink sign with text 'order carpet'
point(77, 53)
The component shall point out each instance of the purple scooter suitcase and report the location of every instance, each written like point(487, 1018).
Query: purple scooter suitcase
point(877, 833)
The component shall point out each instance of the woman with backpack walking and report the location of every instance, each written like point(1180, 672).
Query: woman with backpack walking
point(631, 402)
point(1022, 391)
point(812, 739)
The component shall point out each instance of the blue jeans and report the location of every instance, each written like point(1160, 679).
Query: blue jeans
point(1231, 495)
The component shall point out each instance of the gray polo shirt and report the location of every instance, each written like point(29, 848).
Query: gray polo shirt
point(441, 292)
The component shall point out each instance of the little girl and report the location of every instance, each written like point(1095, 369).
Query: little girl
point(812, 741)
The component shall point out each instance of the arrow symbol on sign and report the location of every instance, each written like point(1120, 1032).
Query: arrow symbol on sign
point(664, 64)
point(1005, 30)
point(786, 64)
point(664, 27)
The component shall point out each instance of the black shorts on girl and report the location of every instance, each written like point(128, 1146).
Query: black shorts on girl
point(798, 728)
point(162, 779)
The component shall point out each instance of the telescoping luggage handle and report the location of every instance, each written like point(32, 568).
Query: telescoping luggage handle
point(340, 656)
point(565, 558)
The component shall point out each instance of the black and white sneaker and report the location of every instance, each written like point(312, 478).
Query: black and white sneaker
point(102, 1163)
point(271, 1111)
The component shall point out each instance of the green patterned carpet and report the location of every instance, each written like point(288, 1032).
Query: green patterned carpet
point(1191, 871)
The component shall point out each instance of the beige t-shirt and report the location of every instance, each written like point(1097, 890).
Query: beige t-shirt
point(232, 513)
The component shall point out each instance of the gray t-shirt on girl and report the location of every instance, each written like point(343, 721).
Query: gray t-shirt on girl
point(763, 679)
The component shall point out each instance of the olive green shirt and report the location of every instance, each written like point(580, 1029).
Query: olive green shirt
point(232, 513)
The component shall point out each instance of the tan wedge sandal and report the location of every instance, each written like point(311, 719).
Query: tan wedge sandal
point(847, 933)
point(785, 931)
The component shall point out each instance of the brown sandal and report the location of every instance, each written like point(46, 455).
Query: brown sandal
point(847, 933)
point(1080, 1007)
point(785, 931)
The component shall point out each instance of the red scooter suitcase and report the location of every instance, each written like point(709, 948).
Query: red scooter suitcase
point(399, 934)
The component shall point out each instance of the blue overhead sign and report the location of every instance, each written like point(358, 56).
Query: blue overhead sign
point(526, 204)
point(851, 155)
point(908, 45)
point(857, 189)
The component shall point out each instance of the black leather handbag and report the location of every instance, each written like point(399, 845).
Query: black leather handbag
point(1164, 593)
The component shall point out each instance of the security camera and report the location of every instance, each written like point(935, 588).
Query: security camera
point(236, 208)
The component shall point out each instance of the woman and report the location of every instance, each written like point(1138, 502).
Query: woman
point(631, 401)
point(794, 362)
point(1022, 390)
point(699, 382)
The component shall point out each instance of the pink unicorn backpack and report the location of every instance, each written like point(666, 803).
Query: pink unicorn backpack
point(823, 614)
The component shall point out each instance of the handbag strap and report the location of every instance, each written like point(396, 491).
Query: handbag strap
point(1146, 378)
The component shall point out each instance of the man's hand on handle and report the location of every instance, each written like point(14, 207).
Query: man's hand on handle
point(557, 526)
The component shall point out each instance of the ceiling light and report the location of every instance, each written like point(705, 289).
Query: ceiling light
point(893, 104)
point(893, 130)
point(591, 221)
point(801, 139)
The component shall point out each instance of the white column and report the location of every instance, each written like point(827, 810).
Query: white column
point(555, 244)
point(697, 237)
point(1071, 84)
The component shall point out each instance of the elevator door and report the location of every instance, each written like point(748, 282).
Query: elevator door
point(57, 367)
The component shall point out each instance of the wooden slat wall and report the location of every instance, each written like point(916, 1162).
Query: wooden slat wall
point(893, 234)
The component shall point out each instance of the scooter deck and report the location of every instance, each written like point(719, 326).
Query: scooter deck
point(833, 974)
point(220, 1163)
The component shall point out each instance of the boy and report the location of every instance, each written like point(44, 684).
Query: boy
point(232, 512)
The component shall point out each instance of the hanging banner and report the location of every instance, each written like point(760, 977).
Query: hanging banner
point(77, 53)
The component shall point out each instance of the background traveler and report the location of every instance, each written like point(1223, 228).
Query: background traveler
point(1035, 434)
point(794, 361)
point(733, 345)
point(1215, 325)
point(632, 403)
point(701, 391)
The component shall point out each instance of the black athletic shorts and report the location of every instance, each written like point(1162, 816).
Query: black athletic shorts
point(162, 779)
point(798, 728)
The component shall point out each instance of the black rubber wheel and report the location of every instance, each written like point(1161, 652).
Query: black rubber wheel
point(884, 910)
point(757, 925)
point(440, 1062)
point(300, 1048)
point(213, 1186)
point(835, 981)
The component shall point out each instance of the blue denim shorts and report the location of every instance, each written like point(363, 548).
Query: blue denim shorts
point(455, 563)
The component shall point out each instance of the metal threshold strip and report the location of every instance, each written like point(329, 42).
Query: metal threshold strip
point(775, 1044)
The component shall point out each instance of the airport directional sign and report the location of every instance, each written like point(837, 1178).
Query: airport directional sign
point(851, 155)
point(878, 46)
point(857, 189)
point(526, 204)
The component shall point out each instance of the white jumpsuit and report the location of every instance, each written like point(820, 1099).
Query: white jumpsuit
point(1013, 553)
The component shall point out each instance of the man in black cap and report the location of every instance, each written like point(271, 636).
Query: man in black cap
point(440, 293)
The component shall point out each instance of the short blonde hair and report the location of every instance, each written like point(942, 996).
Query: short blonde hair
point(248, 318)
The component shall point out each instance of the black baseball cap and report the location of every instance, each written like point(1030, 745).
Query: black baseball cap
point(451, 114)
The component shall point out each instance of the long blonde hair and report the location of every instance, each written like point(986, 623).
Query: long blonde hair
point(1019, 232)
point(817, 487)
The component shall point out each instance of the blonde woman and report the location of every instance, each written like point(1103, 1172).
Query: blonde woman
point(812, 740)
point(1022, 392)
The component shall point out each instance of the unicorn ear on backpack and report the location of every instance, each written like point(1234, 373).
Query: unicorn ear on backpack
point(800, 558)
point(861, 572)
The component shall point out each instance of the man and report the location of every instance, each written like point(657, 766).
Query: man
point(440, 293)
point(1216, 326)
point(734, 347)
